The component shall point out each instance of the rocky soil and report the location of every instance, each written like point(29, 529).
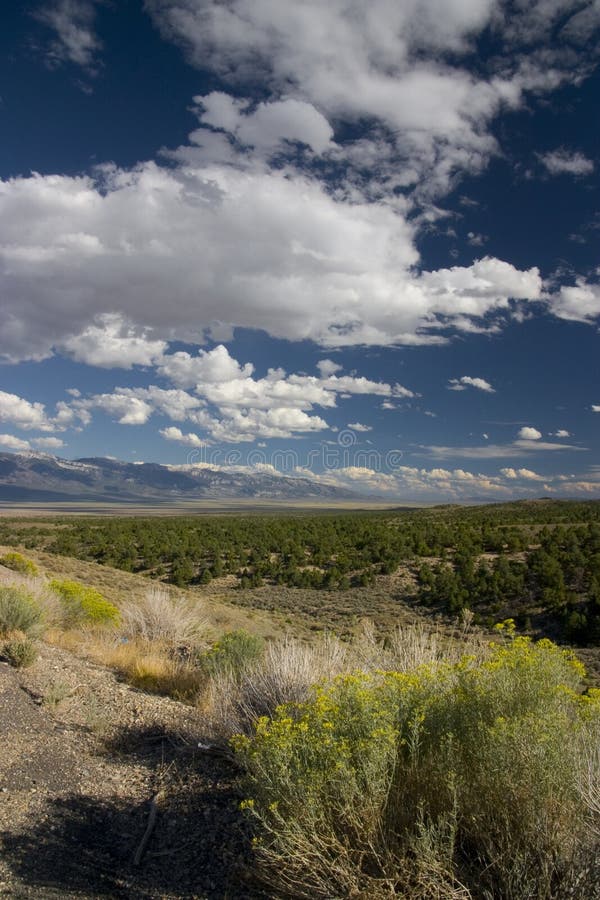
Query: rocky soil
point(83, 761)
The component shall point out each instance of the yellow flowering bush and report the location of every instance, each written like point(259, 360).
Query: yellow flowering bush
point(452, 778)
point(19, 563)
point(83, 604)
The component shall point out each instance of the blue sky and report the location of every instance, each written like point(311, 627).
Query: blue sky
point(356, 241)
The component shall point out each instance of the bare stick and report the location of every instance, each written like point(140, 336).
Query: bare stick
point(149, 829)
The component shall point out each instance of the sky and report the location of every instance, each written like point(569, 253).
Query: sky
point(351, 241)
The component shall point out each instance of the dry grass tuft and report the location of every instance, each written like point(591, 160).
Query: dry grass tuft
point(285, 673)
point(171, 619)
point(149, 665)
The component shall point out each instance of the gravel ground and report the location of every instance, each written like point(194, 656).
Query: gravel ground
point(81, 758)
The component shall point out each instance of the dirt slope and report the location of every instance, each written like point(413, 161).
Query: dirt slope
point(81, 757)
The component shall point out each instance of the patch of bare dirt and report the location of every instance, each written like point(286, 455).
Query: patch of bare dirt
point(82, 757)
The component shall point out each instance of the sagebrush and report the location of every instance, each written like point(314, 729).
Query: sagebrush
point(18, 611)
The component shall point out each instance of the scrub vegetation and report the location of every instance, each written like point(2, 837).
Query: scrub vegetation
point(535, 561)
point(426, 756)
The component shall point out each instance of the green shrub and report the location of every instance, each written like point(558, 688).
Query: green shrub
point(20, 653)
point(233, 653)
point(83, 604)
point(18, 611)
point(19, 563)
point(452, 778)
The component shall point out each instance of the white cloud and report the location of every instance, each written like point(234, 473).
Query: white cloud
point(134, 406)
point(279, 252)
point(465, 381)
point(22, 413)
point(349, 384)
point(268, 125)
point(520, 447)
point(481, 288)
point(358, 426)
point(387, 404)
point(248, 425)
point(476, 240)
point(176, 434)
point(595, 407)
point(412, 483)
point(228, 403)
point(10, 442)
point(577, 303)
point(111, 343)
point(399, 391)
point(527, 433)
point(327, 367)
point(313, 241)
point(123, 406)
point(48, 443)
point(526, 474)
point(402, 65)
point(565, 162)
point(208, 367)
point(75, 41)
point(561, 433)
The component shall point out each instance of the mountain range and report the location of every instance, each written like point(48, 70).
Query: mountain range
point(38, 477)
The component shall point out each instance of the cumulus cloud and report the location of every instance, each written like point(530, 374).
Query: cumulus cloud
point(262, 220)
point(208, 367)
point(565, 162)
point(400, 65)
point(526, 474)
point(23, 414)
point(328, 367)
point(111, 343)
point(412, 483)
point(527, 433)
point(595, 407)
point(476, 290)
point(465, 381)
point(123, 406)
point(176, 434)
point(10, 442)
point(247, 425)
point(561, 433)
point(184, 248)
point(459, 485)
point(577, 303)
point(134, 406)
point(48, 443)
point(269, 125)
point(226, 401)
